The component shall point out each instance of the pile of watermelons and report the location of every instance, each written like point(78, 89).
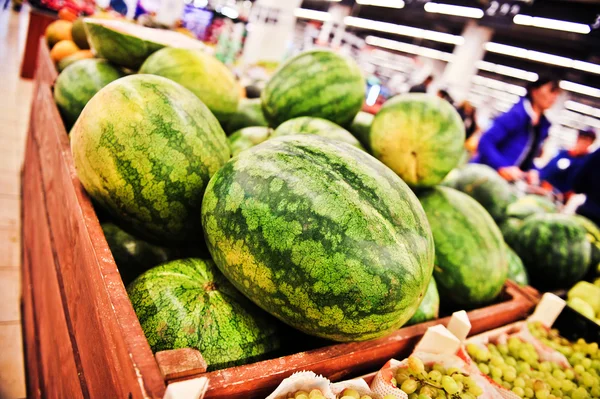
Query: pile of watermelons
point(310, 213)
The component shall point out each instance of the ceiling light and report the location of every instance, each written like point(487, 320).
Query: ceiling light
point(408, 48)
point(439, 8)
point(382, 3)
point(305, 13)
point(500, 85)
point(403, 30)
point(578, 88)
point(586, 66)
point(582, 108)
point(547, 23)
point(230, 12)
point(506, 70)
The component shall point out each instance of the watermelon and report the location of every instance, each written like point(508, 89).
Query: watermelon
point(79, 35)
point(429, 309)
point(554, 249)
point(78, 83)
point(319, 126)
point(188, 303)
point(201, 73)
point(249, 113)
point(420, 137)
point(509, 228)
point(145, 148)
point(516, 269)
point(318, 83)
point(541, 202)
point(470, 257)
point(484, 185)
point(593, 236)
point(321, 235)
point(132, 255)
point(246, 138)
point(128, 45)
point(361, 127)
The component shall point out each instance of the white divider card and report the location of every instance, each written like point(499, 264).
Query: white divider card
point(438, 340)
point(303, 381)
point(548, 309)
point(188, 389)
point(460, 325)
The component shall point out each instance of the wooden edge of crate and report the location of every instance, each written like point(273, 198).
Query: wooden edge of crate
point(45, 71)
point(339, 361)
point(114, 353)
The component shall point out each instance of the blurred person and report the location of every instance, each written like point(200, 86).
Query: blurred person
point(586, 180)
point(444, 95)
point(423, 86)
point(468, 113)
point(557, 174)
point(515, 138)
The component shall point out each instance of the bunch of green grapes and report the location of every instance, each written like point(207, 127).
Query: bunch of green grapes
point(425, 382)
point(317, 394)
point(353, 394)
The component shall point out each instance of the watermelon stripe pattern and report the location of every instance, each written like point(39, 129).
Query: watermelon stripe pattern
point(145, 148)
point(429, 309)
point(470, 259)
point(316, 83)
point(554, 249)
point(247, 138)
point(189, 304)
point(320, 235)
point(318, 126)
point(516, 269)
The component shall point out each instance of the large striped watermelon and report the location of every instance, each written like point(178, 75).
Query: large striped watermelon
point(429, 309)
point(317, 126)
point(127, 44)
point(321, 235)
point(593, 236)
point(201, 73)
point(420, 137)
point(317, 83)
point(361, 128)
point(247, 137)
point(144, 149)
point(554, 249)
point(249, 113)
point(189, 304)
point(516, 269)
point(509, 228)
point(470, 257)
point(485, 185)
point(78, 83)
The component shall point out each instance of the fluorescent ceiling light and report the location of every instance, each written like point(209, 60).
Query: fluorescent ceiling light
point(230, 12)
point(499, 85)
point(581, 89)
point(382, 3)
point(542, 57)
point(547, 23)
point(408, 48)
point(306, 13)
point(403, 30)
point(582, 108)
point(497, 94)
point(506, 70)
point(449, 9)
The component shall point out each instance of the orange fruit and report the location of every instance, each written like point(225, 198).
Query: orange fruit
point(57, 31)
point(63, 49)
point(78, 55)
point(67, 14)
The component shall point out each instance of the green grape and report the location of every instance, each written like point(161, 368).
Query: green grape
point(519, 382)
point(352, 393)
point(559, 374)
point(511, 361)
point(394, 382)
point(595, 391)
point(389, 397)
point(441, 394)
point(483, 368)
point(557, 393)
point(458, 377)
point(315, 394)
point(402, 374)
point(529, 392)
point(496, 361)
point(409, 386)
point(588, 380)
point(546, 367)
point(413, 395)
point(421, 396)
point(449, 385)
point(434, 376)
point(440, 368)
point(496, 372)
point(300, 393)
point(303, 396)
point(510, 374)
point(452, 370)
point(506, 385)
point(415, 365)
point(580, 393)
point(497, 380)
point(554, 383)
point(519, 391)
point(586, 363)
point(427, 390)
point(366, 397)
point(543, 394)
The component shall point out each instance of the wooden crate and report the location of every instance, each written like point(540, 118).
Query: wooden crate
point(81, 334)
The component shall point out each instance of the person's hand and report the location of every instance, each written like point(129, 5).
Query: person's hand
point(533, 177)
point(511, 173)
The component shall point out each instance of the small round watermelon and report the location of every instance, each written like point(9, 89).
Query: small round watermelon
point(247, 137)
point(144, 149)
point(470, 256)
point(78, 83)
point(321, 235)
point(420, 137)
point(429, 309)
point(318, 83)
point(516, 269)
point(188, 303)
point(248, 114)
point(485, 186)
point(509, 228)
point(202, 74)
point(554, 249)
point(361, 128)
point(317, 126)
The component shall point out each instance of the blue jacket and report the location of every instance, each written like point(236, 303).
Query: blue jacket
point(510, 138)
point(586, 180)
point(559, 171)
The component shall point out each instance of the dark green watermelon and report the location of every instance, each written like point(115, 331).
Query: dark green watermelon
point(516, 269)
point(484, 185)
point(593, 236)
point(317, 126)
point(554, 249)
point(509, 228)
point(361, 127)
point(188, 303)
point(132, 255)
point(529, 205)
point(470, 259)
point(318, 83)
point(321, 235)
point(429, 309)
point(247, 137)
point(249, 113)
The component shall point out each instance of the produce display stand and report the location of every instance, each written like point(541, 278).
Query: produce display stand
point(82, 337)
point(39, 20)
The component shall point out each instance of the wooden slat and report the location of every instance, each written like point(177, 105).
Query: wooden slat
point(45, 70)
point(38, 22)
point(180, 363)
point(56, 358)
point(116, 359)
